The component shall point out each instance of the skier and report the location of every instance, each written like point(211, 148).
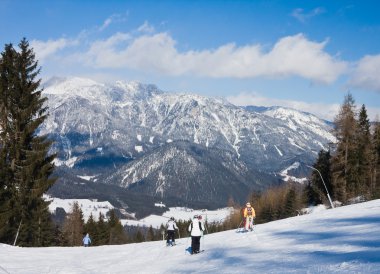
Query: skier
point(196, 228)
point(86, 240)
point(171, 226)
point(249, 215)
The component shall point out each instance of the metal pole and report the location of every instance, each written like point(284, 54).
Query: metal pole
point(328, 195)
point(18, 231)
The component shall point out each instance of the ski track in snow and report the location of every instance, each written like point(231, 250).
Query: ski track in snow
point(340, 240)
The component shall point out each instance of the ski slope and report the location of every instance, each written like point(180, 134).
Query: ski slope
point(340, 240)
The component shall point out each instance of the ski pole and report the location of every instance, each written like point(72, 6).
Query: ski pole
point(237, 229)
point(203, 241)
point(187, 244)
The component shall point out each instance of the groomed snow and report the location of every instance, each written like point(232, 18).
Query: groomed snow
point(340, 240)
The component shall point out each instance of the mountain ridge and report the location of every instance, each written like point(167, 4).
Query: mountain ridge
point(103, 130)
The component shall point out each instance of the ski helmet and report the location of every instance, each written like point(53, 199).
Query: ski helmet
point(195, 216)
point(248, 204)
point(172, 218)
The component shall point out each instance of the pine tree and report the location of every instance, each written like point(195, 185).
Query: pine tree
point(116, 230)
point(363, 154)
point(25, 163)
point(312, 195)
point(102, 236)
point(91, 228)
point(323, 165)
point(139, 237)
point(73, 226)
point(344, 162)
point(375, 166)
point(150, 234)
point(8, 221)
point(290, 208)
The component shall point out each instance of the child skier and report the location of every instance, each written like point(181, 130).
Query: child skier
point(249, 215)
point(171, 226)
point(86, 240)
point(196, 229)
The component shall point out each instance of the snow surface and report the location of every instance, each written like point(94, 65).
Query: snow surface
point(340, 240)
point(287, 177)
point(180, 213)
point(94, 207)
point(87, 206)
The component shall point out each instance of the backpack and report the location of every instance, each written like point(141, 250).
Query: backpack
point(200, 226)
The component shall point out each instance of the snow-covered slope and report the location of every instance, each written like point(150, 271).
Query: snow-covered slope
point(340, 240)
point(88, 207)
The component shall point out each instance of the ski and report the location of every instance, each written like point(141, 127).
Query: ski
point(188, 251)
point(200, 251)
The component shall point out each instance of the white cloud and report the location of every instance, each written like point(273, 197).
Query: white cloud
point(303, 16)
point(324, 111)
point(46, 49)
point(290, 56)
point(106, 23)
point(367, 73)
point(146, 27)
point(115, 18)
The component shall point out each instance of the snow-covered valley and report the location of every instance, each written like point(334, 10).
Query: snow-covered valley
point(340, 240)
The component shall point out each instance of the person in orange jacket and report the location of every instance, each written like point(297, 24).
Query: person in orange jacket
point(249, 215)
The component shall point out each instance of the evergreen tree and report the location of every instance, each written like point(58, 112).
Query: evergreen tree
point(344, 164)
point(312, 196)
point(318, 183)
point(116, 230)
point(363, 154)
point(91, 228)
point(25, 163)
point(375, 165)
point(102, 236)
point(290, 207)
point(139, 237)
point(8, 221)
point(73, 226)
point(150, 234)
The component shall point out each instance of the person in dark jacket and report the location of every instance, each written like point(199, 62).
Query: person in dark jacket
point(196, 229)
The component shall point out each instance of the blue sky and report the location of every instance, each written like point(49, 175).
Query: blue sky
point(301, 54)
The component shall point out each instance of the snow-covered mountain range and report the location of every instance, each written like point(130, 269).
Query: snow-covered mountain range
point(175, 145)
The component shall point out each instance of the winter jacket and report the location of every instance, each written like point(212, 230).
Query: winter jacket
point(249, 211)
point(86, 240)
point(196, 228)
point(171, 225)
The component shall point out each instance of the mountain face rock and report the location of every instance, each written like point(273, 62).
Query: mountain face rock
point(177, 146)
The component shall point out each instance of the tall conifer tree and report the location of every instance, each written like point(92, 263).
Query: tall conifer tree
point(25, 160)
point(73, 226)
point(116, 230)
point(344, 163)
point(375, 169)
point(8, 214)
point(323, 164)
point(363, 154)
